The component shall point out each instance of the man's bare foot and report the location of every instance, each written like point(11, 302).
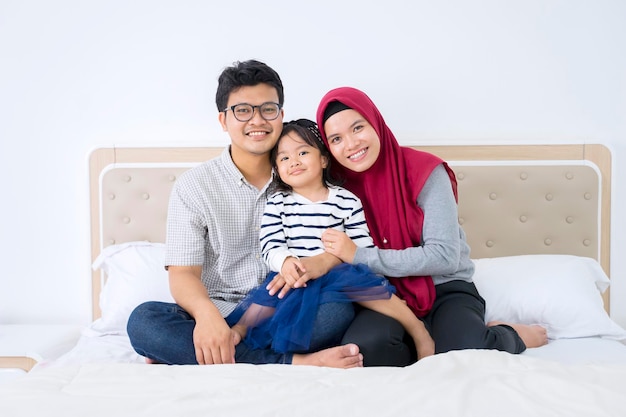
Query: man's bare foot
point(345, 356)
point(532, 335)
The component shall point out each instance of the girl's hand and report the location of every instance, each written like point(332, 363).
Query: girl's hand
point(293, 274)
point(239, 333)
point(292, 271)
point(339, 244)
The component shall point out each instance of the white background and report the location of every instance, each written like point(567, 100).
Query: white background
point(75, 75)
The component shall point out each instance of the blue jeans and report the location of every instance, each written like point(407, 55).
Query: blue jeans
point(164, 332)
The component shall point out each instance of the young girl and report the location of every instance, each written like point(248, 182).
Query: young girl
point(308, 203)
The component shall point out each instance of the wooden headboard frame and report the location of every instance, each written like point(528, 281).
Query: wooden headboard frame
point(513, 199)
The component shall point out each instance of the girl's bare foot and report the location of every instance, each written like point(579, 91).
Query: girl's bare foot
point(532, 335)
point(425, 348)
point(239, 333)
point(345, 356)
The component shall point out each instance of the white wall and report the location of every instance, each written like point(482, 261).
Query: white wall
point(75, 75)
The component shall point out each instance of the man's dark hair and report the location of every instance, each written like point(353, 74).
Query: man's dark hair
point(246, 73)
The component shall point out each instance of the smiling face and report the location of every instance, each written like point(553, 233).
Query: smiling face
point(352, 140)
point(300, 165)
point(257, 136)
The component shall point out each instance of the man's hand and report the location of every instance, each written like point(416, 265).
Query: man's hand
point(214, 342)
point(212, 338)
point(278, 286)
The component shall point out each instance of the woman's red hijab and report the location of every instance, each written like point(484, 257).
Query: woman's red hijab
point(389, 191)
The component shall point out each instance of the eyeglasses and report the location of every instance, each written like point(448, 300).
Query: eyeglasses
point(244, 111)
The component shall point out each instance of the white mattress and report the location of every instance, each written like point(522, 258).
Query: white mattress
point(108, 381)
point(7, 375)
point(103, 376)
point(586, 350)
point(95, 347)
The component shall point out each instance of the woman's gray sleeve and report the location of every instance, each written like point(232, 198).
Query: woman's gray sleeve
point(439, 253)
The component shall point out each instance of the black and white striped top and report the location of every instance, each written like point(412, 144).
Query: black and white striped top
point(292, 225)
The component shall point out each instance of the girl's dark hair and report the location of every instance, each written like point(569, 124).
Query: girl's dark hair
point(309, 132)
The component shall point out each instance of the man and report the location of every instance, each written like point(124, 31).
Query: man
point(212, 245)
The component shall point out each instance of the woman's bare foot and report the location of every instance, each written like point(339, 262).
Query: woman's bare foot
point(345, 356)
point(532, 335)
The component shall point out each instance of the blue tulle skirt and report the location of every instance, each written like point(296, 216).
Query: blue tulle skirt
point(285, 325)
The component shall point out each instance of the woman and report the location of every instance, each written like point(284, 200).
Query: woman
point(409, 198)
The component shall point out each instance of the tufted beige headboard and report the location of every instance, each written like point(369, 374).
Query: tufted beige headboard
point(513, 200)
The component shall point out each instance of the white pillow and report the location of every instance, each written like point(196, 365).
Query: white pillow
point(135, 273)
point(559, 292)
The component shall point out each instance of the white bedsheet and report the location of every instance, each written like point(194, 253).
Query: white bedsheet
point(461, 383)
point(95, 347)
point(585, 350)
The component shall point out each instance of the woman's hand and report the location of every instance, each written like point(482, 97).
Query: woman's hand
point(339, 244)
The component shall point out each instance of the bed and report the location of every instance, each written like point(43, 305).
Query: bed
point(537, 219)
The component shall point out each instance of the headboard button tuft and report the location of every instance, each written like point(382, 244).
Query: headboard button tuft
point(523, 218)
point(547, 241)
point(523, 176)
point(489, 243)
point(549, 197)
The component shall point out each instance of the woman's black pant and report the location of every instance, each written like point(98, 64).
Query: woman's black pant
point(456, 321)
